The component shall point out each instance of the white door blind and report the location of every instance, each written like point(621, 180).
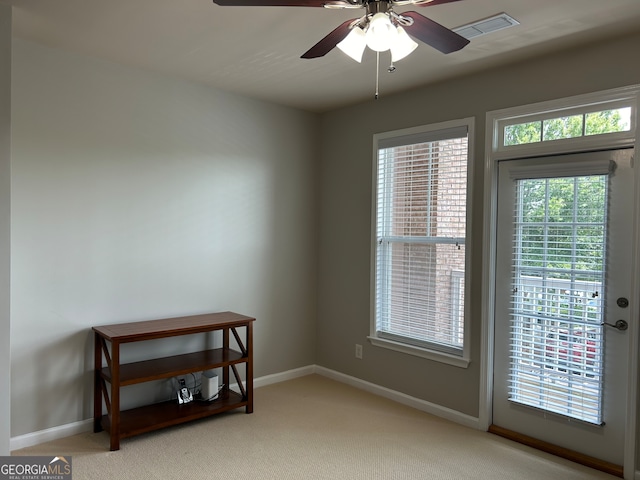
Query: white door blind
point(420, 233)
point(558, 286)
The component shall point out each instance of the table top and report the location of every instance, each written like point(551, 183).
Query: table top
point(170, 327)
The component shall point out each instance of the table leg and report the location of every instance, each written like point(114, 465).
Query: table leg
point(115, 396)
point(97, 385)
point(225, 370)
point(249, 378)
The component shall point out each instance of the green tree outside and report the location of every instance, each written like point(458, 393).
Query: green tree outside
point(554, 212)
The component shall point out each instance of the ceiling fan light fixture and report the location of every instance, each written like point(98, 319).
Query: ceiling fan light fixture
point(402, 46)
point(381, 34)
point(354, 44)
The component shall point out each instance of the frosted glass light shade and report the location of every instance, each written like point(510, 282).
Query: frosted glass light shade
point(354, 44)
point(381, 33)
point(402, 46)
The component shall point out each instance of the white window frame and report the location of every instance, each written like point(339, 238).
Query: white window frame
point(567, 107)
point(463, 359)
point(496, 151)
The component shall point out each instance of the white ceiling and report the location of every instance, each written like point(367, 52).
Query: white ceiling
point(255, 51)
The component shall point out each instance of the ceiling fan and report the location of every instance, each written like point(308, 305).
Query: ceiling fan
point(380, 29)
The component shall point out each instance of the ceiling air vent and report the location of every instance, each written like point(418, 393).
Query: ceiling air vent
point(488, 25)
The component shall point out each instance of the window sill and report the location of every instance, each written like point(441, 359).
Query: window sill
point(456, 361)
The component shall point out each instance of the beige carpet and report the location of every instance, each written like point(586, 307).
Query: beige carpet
point(313, 428)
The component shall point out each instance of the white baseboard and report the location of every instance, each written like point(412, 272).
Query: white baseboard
point(423, 405)
point(283, 376)
point(55, 433)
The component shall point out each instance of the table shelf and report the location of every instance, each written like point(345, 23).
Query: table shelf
point(165, 414)
point(159, 368)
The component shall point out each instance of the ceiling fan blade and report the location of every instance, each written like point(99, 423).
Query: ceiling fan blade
point(328, 43)
point(279, 3)
point(427, 3)
point(434, 34)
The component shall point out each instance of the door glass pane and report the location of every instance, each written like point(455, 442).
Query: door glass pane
point(558, 281)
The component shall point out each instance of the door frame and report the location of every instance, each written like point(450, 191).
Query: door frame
point(494, 153)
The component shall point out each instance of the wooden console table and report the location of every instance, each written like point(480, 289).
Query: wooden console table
point(122, 424)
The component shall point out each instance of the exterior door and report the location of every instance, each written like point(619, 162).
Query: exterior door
point(563, 272)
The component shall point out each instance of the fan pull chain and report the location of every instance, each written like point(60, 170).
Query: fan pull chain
point(377, 72)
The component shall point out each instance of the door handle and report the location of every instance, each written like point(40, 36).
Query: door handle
point(621, 325)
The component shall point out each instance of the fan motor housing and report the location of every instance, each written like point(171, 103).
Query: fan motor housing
point(377, 6)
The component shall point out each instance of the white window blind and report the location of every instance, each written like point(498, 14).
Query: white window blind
point(557, 290)
point(420, 239)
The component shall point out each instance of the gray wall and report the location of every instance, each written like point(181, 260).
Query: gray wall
point(137, 196)
point(345, 206)
point(5, 218)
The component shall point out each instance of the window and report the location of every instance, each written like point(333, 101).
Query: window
point(570, 126)
point(420, 240)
